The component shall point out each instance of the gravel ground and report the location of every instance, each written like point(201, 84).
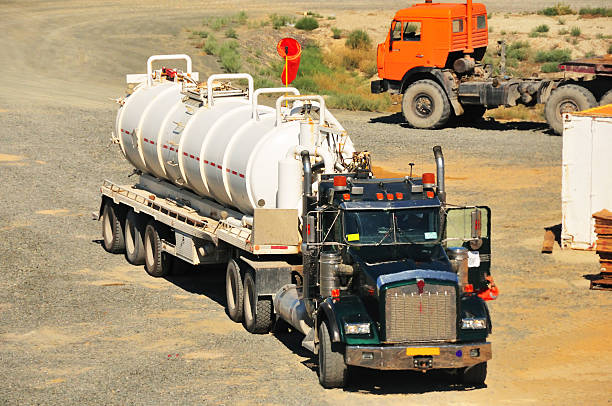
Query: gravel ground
point(81, 326)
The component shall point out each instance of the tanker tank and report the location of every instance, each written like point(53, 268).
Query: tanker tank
point(216, 140)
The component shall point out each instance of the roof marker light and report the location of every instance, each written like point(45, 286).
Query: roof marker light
point(346, 196)
point(379, 196)
point(389, 196)
point(399, 196)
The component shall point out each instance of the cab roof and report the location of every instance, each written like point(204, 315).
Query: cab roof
point(439, 10)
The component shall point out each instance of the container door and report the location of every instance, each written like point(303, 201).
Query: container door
point(470, 227)
point(405, 49)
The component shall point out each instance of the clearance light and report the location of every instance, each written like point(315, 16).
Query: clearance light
point(346, 196)
point(399, 196)
point(379, 196)
point(430, 194)
point(335, 294)
point(469, 288)
point(429, 179)
point(339, 180)
point(389, 196)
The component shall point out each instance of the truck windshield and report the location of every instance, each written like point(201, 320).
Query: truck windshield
point(406, 226)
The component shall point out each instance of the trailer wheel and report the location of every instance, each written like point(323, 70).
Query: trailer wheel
point(606, 98)
point(112, 229)
point(333, 372)
point(258, 314)
point(475, 375)
point(233, 291)
point(566, 99)
point(157, 262)
point(134, 241)
point(425, 105)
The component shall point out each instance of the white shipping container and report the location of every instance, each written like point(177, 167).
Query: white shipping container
point(587, 174)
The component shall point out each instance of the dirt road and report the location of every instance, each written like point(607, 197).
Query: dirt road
point(81, 326)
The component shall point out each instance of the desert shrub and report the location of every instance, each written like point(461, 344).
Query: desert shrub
point(596, 11)
point(549, 67)
point(561, 21)
point(331, 17)
point(358, 39)
point(307, 24)
point(534, 34)
point(336, 33)
point(229, 57)
point(541, 28)
point(369, 68)
point(554, 55)
point(279, 21)
point(518, 50)
point(557, 10)
point(211, 47)
point(610, 49)
point(231, 33)
point(314, 14)
point(201, 34)
point(241, 17)
point(575, 32)
point(358, 102)
point(563, 31)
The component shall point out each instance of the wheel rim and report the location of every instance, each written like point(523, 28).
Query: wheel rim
point(567, 106)
point(423, 105)
point(129, 237)
point(108, 228)
point(150, 258)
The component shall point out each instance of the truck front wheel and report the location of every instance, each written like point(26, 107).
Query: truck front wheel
point(258, 314)
point(566, 99)
point(112, 229)
point(475, 375)
point(233, 291)
point(333, 372)
point(425, 105)
point(157, 262)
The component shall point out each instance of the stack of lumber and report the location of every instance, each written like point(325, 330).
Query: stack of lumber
point(603, 229)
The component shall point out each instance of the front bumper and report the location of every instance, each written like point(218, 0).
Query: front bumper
point(396, 357)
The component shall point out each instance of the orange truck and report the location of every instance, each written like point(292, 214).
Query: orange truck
point(433, 56)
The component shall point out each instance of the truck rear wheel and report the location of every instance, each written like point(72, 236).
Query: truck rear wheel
point(233, 291)
point(333, 372)
point(157, 262)
point(475, 375)
point(606, 98)
point(258, 314)
point(566, 99)
point(112, 229)
point(134, 242)
point(425, 105)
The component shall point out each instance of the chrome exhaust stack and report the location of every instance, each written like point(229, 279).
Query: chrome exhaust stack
point(440, 173)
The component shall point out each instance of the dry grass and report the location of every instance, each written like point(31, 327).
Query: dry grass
point(518, 113)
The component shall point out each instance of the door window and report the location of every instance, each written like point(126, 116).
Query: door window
point(412, 31)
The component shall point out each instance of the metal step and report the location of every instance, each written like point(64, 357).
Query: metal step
point(308, 341)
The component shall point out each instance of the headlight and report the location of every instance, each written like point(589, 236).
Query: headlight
point(474, 324)
point(356, 328)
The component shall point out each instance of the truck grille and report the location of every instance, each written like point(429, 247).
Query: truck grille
point(430, 316)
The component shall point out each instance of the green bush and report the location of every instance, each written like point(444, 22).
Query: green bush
point(518, 50)
point(241, 17)
point(357, 102)
point(307, 24)
point(534, 34)
point(610, 49)
point(358, 39)
point(314, 14)
point(558, 10)
point(231, 33)
point(554, 55)
point(336, 33)
point(279, 21)
point(211, 47)
point(597, 11)
point(575, 32)
point(541, 28)
point(549, 67)
point(201, 34)
point(229, 57)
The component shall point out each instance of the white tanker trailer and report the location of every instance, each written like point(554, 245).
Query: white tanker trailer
point(309, 237)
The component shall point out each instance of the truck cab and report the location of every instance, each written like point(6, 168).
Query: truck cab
point(395, 278)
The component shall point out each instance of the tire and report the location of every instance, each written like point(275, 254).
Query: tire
point(112, 229)
point(258, 314)
point(134, 239)
point(475, 375)
point(425, 105)
point(606, 98)
point(566, 99)
point(157, 262)
point(333, 372)
point(472, 114)
point(233, 292)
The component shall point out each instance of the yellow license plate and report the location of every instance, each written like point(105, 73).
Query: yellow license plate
point(423, 351)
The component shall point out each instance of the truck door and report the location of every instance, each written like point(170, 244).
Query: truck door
point(470, 227)
point(405, 49)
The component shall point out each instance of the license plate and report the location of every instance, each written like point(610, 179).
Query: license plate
point(423, 351)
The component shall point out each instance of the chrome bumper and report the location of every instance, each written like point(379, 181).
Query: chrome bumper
point(418, 357)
